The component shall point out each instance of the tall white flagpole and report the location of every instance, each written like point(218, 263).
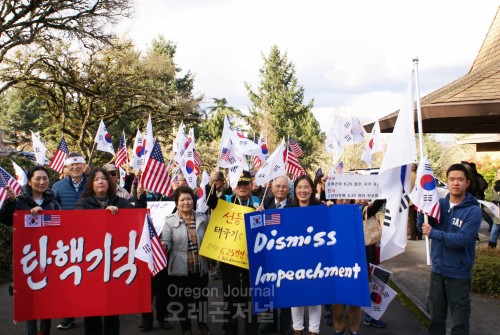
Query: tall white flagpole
point(421, 147)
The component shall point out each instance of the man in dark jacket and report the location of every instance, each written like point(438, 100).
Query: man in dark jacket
point(281, 194)
point(236, 280)
point(452, 253)
point(67, 191)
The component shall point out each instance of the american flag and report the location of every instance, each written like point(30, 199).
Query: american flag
point(150, 249)
point(339, 168)
point(197, 158)
point(270, 219)
point(225, 154)
point(292, 165)
point(57, 162)
point(380, 273)
point(155, 176)
point(294, 146)
point(257, 162)
point(53, 220)
point(122, 154)
point(7, 179)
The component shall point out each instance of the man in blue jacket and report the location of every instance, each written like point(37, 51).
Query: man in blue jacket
point(452, 253)
point(67, 191)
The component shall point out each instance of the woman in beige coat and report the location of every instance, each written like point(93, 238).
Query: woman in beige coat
point(188, 271)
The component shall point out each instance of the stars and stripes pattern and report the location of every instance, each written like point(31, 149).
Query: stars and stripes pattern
point(7, 180)
point(339, 168)
point(225, 154)
point(197, 158)
point(159, 255)
point(122, 154)
point(381, 274)
point(155, 176)
point(294, 146)
point(292, 164)
point(57, 161)
point(271, 219)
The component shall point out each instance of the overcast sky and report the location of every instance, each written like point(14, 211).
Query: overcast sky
point(350, 56)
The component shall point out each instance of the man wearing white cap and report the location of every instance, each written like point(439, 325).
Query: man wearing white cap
point(67, 191)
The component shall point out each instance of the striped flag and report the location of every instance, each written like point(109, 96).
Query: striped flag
point(294, 146)
point(122, 154)
point(155, 176)
point(7, 180)
point(57, 161)
point(225, 154)
point(425, 196)
point(292, 164)
point(339, 168)
point(150, 249)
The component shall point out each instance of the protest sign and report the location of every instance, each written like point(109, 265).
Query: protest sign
point(79, 263)
point(158, 211)
point(225, 239)
point(307, 256)
point(352, 186)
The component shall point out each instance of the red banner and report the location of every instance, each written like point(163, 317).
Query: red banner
point(79, 263)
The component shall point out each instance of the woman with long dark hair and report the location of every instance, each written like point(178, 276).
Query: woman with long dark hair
point(304, 195)
point(36, 197)
point(100, 193)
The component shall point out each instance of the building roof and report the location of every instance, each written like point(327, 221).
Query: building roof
point(470, 104)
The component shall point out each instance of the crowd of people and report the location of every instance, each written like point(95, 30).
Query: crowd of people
point(187, 271)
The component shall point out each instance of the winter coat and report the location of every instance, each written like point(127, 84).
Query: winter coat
point(92, 203)
point(175, 236)
point(24, 201)
point(65, 193)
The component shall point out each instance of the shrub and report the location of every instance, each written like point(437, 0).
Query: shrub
point(486, 272)
point(5, 253)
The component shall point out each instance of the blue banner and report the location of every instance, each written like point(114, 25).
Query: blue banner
point(307, 256)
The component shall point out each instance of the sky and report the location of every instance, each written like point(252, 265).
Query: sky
point(351, 57)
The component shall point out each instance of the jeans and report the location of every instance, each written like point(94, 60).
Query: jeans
point(495, 230)
point(453, 294)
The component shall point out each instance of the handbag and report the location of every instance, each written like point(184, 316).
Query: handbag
point(372, 228)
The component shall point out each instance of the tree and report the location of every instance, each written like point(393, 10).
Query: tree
point(69, 92)
point(212, 127)
point(278, 107)
point(25, 22)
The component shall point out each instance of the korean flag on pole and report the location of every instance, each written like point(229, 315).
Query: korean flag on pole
point(425, 196)
point(103, 139)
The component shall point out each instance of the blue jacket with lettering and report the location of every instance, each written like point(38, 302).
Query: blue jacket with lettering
point(454, 238)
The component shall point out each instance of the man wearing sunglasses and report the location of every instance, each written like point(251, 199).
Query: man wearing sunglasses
point(113, 171)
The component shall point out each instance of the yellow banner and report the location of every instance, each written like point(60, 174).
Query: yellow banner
point(225, 239)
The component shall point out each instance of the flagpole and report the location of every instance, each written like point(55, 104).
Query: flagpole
point(421, 147)
point(92, 155)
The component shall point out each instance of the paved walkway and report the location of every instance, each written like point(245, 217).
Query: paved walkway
point(411, 275)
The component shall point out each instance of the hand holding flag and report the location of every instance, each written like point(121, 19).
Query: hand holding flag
point(425, 196)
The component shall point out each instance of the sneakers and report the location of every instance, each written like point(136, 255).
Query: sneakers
point(369, 321)
point(66, 324)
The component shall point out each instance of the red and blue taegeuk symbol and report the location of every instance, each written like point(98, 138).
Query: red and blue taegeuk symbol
point(189, 167)
point(107, 137)
point(427, 182)
point(140, 150)
point(263, 147)
point(200, 192)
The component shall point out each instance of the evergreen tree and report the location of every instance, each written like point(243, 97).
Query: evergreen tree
point(278, 107)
